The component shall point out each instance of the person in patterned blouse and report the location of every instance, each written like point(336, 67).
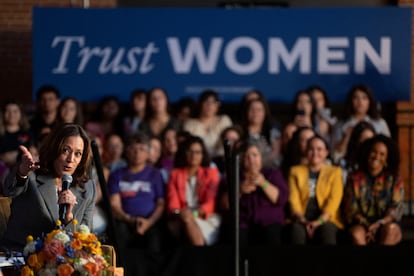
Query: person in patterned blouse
point(374, 194)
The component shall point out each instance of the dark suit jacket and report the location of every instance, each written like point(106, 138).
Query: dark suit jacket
point(34, 208)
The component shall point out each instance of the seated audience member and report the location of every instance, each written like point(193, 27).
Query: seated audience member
point(191, 195)
point(136, 111)
point(107, 118)
point(169, 149)
point(155, 151)
point(315, 194)
point(45, 119)
point(287, 133)
point(113, 152)
point(14, 131)
point(137, 198)
point(374, 194)
point(361, 132)
point(324, 121)
point(258, 124)
point(232, 135)
point(157, 114)
point(303, 110)
point(185, 109)
point(296, 151)
point(263, 195)
point(70, 111)
point(209, 123)
point(252, 94)
point(360, 105)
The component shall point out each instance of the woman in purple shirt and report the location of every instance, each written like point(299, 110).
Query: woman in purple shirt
point(263, 196)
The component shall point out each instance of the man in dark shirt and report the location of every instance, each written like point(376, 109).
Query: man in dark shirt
point(47, 100)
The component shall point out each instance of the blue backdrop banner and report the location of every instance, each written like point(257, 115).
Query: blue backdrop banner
point(88, 53)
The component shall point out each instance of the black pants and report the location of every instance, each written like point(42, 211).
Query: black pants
point(261, 235)
point(325, 234)
point(141, 254)
point(151, 241)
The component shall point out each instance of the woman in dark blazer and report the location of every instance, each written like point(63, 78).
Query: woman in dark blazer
point(36, 187)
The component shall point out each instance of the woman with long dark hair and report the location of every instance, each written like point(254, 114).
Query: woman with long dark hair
point(36, 188)
point(191, 195)
point(374, 194)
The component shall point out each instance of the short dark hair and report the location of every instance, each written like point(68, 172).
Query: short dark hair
point(138, 138)
point(137, 92)
point(47, 88)
point(207, 94)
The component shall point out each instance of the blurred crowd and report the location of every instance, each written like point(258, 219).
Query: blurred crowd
point(316, 178)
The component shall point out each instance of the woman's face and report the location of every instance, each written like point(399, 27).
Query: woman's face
point(304, 103)
point(12, 114)
point(170, 142)
point(304, 136)
point(70, 156)
point(99, 143)
point(318, 98)
point(158, 101)
point(68, 111)
point(377, 157)
point(110, 109)
point(210, 107)
point(184, 114)
point(252, 159)
point(256, 113)
point(139, 103)
point(194, 155)
point(114, 146)
point(288, 133)
point(317, 152)
point(155, 150)
point(360, 102)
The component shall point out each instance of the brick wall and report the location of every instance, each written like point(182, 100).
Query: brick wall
point(16, 44)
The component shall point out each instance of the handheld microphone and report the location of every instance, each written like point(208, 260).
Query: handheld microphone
point(66, 181)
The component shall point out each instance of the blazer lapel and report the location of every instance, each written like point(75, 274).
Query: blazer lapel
point(47, 189)
point(321, 183)
point(183, 186)
point(304, 181)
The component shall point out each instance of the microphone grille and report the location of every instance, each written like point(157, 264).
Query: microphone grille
point(67, 178)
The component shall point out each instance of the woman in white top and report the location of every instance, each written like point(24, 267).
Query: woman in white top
point(209, 124)
point(360, 106)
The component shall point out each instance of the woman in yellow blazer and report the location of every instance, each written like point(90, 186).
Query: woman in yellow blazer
point(315, 194)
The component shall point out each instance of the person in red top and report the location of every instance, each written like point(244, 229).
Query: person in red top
point(191, 195)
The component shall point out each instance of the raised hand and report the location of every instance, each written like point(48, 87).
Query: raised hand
point(27, 163)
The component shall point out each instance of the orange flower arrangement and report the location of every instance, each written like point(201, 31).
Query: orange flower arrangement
point(62, 252)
